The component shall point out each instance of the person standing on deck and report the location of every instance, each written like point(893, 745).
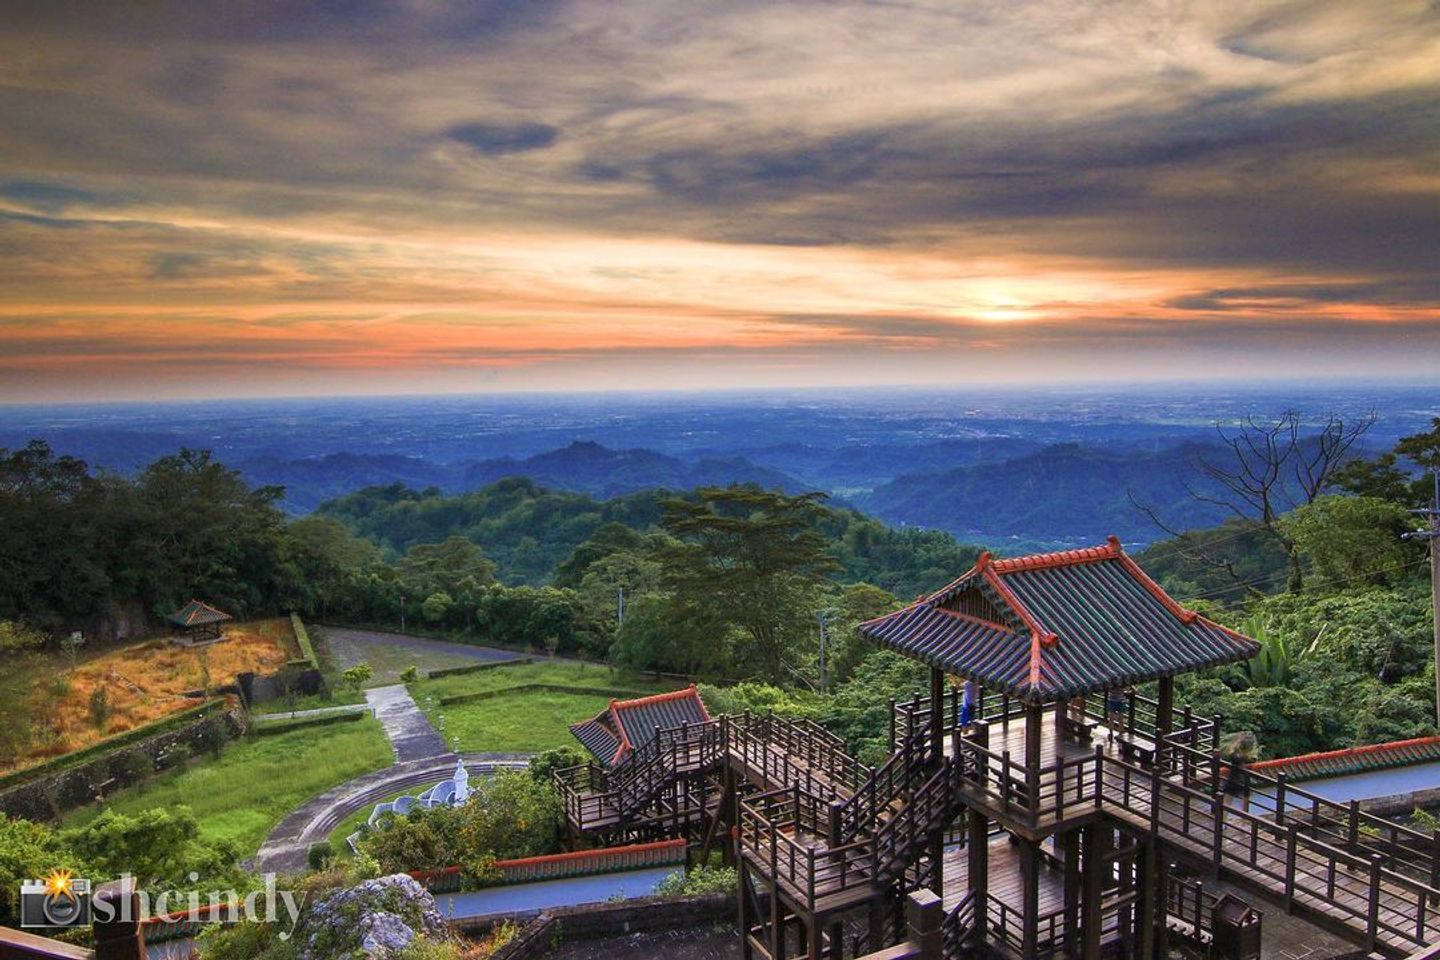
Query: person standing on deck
point(1237, 752)
point(1117, 708)
point(969, 698)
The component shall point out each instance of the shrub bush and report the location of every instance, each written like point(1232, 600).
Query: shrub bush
point(320, 854)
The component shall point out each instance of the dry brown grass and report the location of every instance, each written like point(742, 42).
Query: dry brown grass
point(146, 682)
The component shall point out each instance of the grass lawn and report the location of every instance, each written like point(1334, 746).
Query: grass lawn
point(259, 780)
point(523, 721)
point(337, 697)
point(567, 673)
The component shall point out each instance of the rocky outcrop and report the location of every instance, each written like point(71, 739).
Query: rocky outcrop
point(378, 919)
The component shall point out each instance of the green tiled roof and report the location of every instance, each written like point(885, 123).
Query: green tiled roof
point(196, 614)
point(1056, 625)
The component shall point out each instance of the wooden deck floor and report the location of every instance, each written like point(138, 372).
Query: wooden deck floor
point(1010, 735)
point(1004, 878)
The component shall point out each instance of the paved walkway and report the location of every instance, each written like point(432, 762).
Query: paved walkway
point(261, 719)
point(390, 653)
point(287, 847)
point(409, 730)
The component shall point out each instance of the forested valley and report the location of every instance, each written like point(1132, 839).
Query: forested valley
point(732, 584)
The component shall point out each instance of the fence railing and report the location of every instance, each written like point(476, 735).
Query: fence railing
point(1344, 825)
point(1364, 890)
point(771, 832)
point(905, 769)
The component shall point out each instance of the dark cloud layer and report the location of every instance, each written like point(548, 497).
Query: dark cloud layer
point(677, 176)
point(501, 138)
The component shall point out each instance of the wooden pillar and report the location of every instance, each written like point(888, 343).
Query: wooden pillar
point(977, 850)
point(925, 923)
point(1029, 851)
point(837, 941)
point(1034, 734)
point(937, 712)
point(1070, 844)
point(1096, 866)
point(777, 923)
point(120, 936)
point(1161, 883)
point(746, 951)
point(877, 918)
point(1126, 915)
point(1164, 717)
point(1146, 872)
point(937, 860)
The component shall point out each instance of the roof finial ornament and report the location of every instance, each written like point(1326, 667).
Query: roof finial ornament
point(1114, 542)
point(982, 561)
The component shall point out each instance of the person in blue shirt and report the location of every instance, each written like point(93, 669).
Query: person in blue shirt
point(969, 699)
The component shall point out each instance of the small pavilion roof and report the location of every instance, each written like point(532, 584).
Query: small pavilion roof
point(627, 725)
point(197, 613)
point(1057, 625)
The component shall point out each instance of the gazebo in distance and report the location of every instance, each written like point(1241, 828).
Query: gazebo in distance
point(197, 623)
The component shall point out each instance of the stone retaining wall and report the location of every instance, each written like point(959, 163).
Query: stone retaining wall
point(50, 796)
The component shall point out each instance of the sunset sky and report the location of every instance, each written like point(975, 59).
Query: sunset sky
point(254, 198)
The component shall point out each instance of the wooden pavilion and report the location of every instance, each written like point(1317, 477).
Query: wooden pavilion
point(197, 623)
point(1036, 817)
point(1048, 632)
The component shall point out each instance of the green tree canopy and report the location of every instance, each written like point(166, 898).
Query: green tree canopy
point(753, 558)
point(1352, 539)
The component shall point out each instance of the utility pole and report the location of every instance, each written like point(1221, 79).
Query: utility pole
point(824, 617)
point(402, 611)
point(1432, 514)
point(620, 606)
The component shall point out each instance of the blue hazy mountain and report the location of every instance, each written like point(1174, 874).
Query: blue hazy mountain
point(1038, 464)
point(581, 467)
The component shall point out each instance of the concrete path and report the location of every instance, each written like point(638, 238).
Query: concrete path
point(405, 724)
point(390, 653)
point(287, 847)
point(260, 719)
point(527, 899)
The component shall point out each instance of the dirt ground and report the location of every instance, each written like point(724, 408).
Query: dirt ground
point(143, 682)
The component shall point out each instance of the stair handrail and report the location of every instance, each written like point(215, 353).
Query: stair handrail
point(891, 780)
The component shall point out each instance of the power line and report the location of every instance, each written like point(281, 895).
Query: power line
point(1282, 574)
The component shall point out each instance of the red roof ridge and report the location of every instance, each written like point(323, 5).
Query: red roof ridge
point(1059, 558)
point(1344, 752)
point(681, 694)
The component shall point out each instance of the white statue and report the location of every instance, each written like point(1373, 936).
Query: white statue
point(462, 783)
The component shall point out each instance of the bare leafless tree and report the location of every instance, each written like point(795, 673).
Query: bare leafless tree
point(1273, 466)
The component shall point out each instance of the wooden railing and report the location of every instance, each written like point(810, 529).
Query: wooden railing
point(1343, 825)
point(906, 768)
point(775, 749)
point(1187, 902)
point(771, 832)
point(1365, 891)
point(959, 928)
